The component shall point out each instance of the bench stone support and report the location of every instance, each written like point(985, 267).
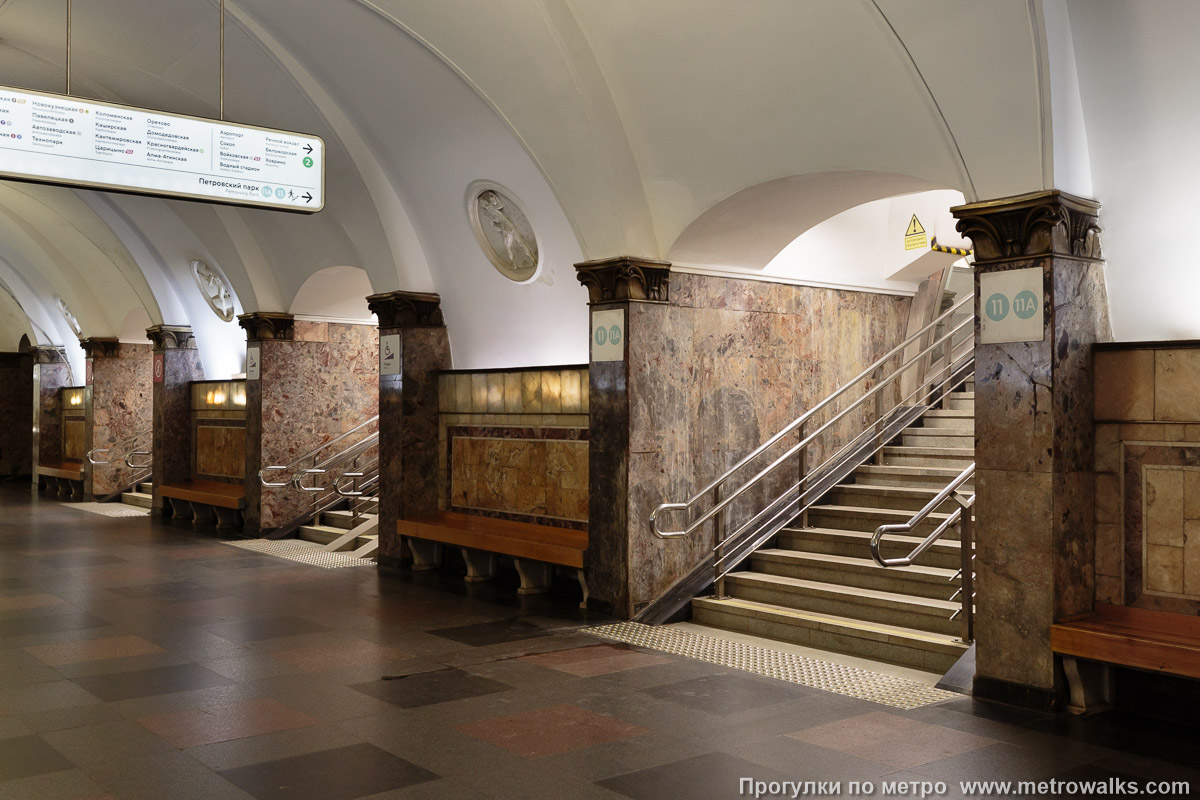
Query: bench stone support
point(481, 565)
point(228, 518)
point(1090, 684)
point(180, 509)
point(426, 555)
point(536, 576)
point(202, 513)
point(583, 584)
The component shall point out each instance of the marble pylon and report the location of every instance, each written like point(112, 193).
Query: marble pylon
point(408, 411)
point(1035, 515)
point(121, 406)
point(51, 372)
point(16, 414)
point(316, 381)
point(175, 363)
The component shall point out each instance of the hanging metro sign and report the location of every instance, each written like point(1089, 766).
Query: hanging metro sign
point(58, 139)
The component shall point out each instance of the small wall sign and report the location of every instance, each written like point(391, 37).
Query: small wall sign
point(159, 368)
point(389, 354)
point(1011, 307)
point(253, 364)
point(608, 335)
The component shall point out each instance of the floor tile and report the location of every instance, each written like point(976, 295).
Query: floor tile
point(92, 650)
point(56, 623)
point(200, 726)
point(107, 741)
point(176, 591)
point(166, 776)
point(260, 629)
point(341, 774)
point(891, 739)
point(23, 756)
point(585, 662)
point(488, 633)
point(725, 694)
point(70, 560)
point(714, 776)
point(148, 682)
point(71, 784)
point(428, 688)
point(42, 697)
point(548, 731)
point(22, 602)
point(343, 654)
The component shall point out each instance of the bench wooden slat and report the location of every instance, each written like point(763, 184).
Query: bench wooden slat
point(1132, 637)
point(212, 493)
point(67, 469)
point(563, 546)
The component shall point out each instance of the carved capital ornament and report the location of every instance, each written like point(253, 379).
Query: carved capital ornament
point(101, 347)
point(268, 325)
point(1051, 223)
point(625, 278)
point(171, 337)
point(407, 309)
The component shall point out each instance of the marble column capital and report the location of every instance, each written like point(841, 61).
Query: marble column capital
point(101, 347)
point(262, 325)
point(48, 354)
point(625, 278)
point(1040, 224)
point(171, 337)
point(407, 309)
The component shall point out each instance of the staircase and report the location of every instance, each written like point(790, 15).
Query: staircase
point(141, 495)
point(333, 529)
point(818, 585)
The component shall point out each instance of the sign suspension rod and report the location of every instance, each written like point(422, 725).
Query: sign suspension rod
point(68, 48)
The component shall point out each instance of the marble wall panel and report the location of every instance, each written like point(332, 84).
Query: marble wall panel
point(312, 389)
point(1177, 385)
point(74, 437)
point(1124, 385)
point(48, 380)
point(122, 407)
point(220, 452)
point(172, 412)
point(16, 414)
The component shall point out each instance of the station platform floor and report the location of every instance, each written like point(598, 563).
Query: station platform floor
point(143, 660)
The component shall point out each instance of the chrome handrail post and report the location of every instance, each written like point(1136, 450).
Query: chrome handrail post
point(719, 536)
point(967, 548)
point(803, 484)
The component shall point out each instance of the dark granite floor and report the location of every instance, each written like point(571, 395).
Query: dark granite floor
point(141, 660)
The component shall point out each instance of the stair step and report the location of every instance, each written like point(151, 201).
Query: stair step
point(857, 518)
point(907, 476)
point(906, 455)
point(929, 651)
point(139, 499)
point(343, 519)
point(956, 420)
point(906, 498)
point(944, 553)
point(147, 488)
point(920, 580)
point(887, 608)
point(960, 401)
point(324, 534)
point(938, 437)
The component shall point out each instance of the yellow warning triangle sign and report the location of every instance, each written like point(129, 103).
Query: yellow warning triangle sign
point(914, 227)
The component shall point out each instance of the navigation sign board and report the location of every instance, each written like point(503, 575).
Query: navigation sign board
point(53, 138)
point(253, 364)
point(1011, 307)
point(608, 335)
point(389, 354)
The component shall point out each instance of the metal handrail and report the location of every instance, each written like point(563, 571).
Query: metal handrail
point(129, 459)
point(796, 449)
point(310, 455)
point(131, 441)
point(916, 519)
point(350, 455)
point(866, 373)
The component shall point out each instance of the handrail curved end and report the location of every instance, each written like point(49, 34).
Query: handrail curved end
point(661, 534)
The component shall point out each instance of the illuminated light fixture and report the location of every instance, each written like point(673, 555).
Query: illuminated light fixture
point(219, 395)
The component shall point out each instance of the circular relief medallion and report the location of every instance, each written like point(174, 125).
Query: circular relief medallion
point(503, 231)
point(65, 310)
point(216, 292)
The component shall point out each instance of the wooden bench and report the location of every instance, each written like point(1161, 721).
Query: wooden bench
point(201, 500)
point(1128, 637)
point(534, 548)
point(67, 477)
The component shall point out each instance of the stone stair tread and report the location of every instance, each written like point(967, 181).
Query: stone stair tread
point(865, 537)
point(952, 413)
point(875, 630)
point(905, 469)
point(866, 511)
point(848, 591)
point(324, 529)
point(138, 495)
point(959, 433)
point(893, 491)
point(964, 452)
point(851, 561)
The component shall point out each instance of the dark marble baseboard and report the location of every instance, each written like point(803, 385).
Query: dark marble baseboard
point(1034, 698)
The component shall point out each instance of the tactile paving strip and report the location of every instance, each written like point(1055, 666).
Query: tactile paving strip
point(888, 690)
point(110, 509)
point(302, 552)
